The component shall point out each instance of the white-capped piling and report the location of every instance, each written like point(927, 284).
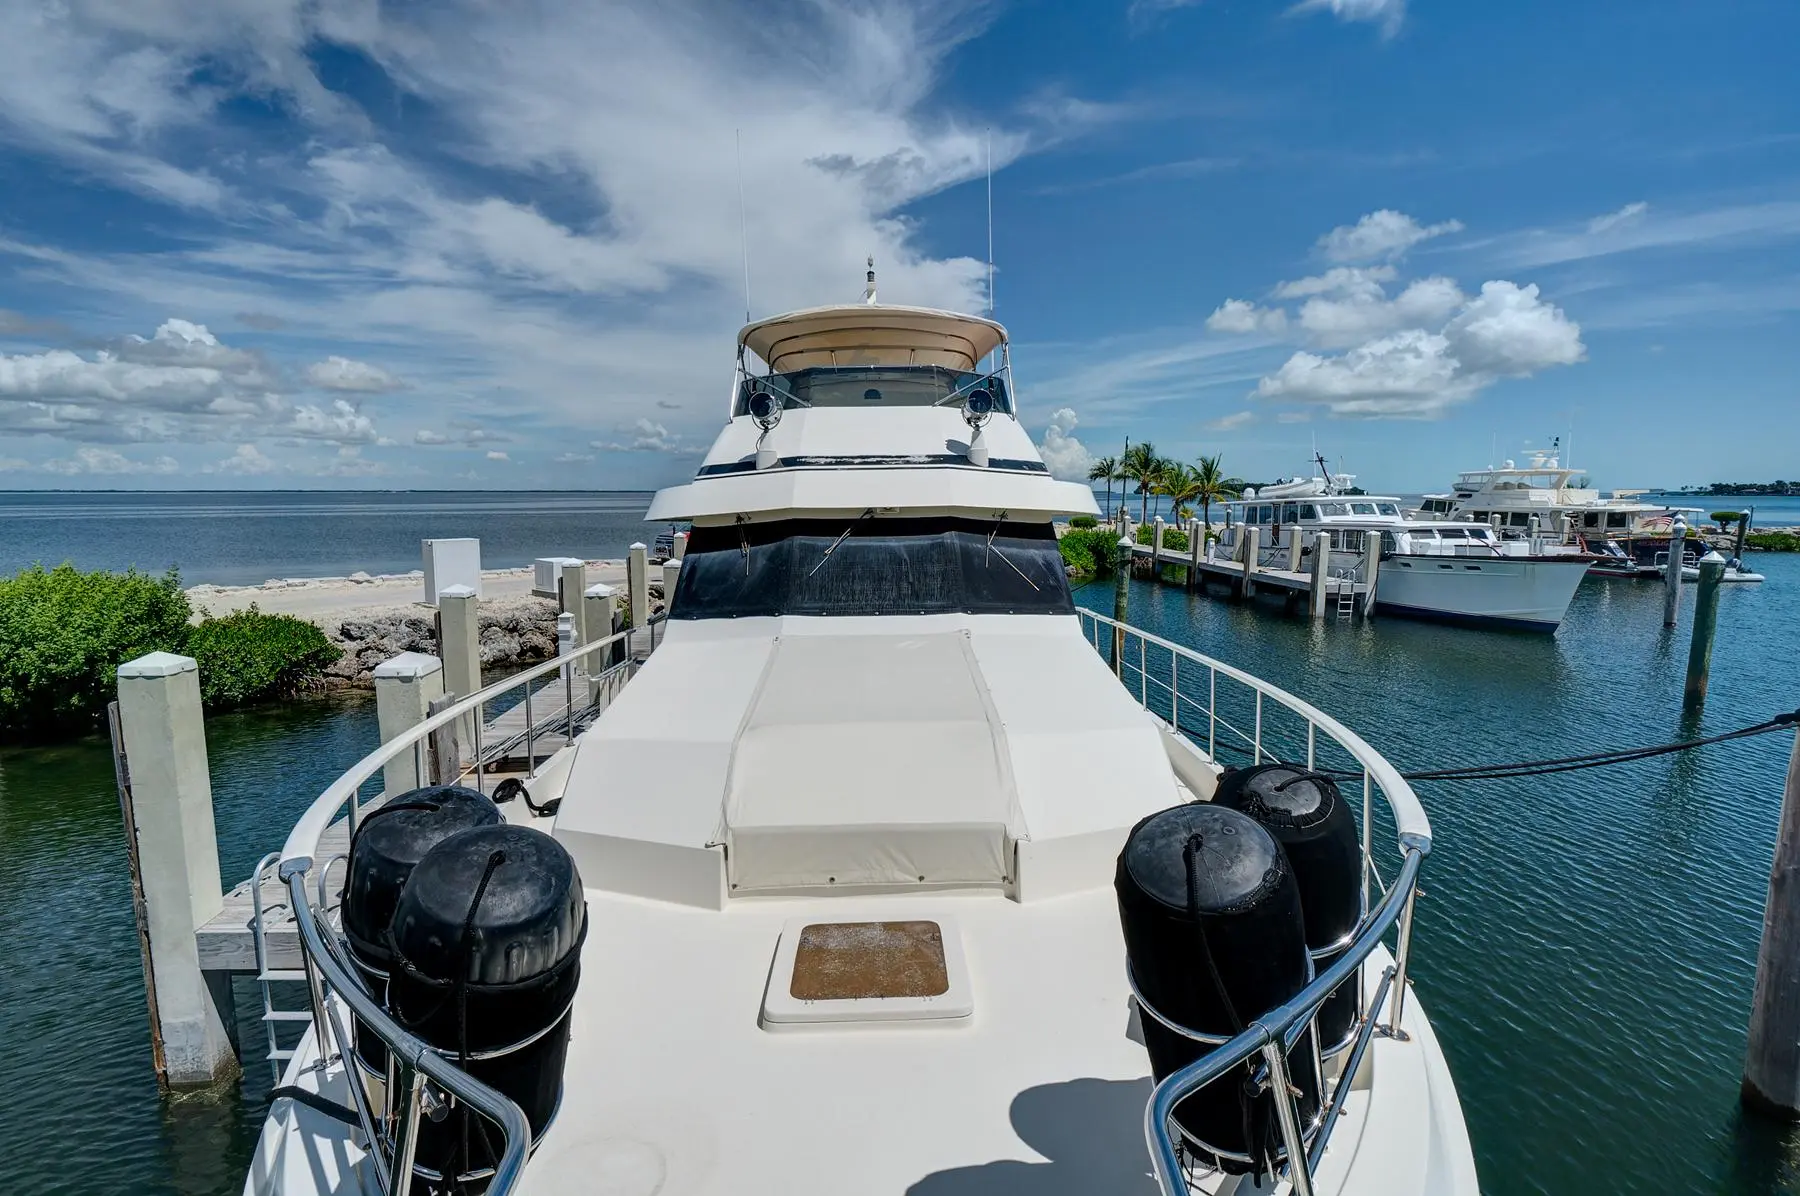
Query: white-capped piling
point(1672, 573)
point(405, 687)
point(678, 546)
point(1123, 551)
point(165, 791)
point(1296, 544)
point(1321, 573)
point(1772, 1061)
point(637, 584)
point(459, 647)
point(572, 585)
point(671, 575)
point(1156, 543)
point(601, 607)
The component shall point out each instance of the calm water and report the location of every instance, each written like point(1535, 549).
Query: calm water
point(1586, 943)
point(247, 538)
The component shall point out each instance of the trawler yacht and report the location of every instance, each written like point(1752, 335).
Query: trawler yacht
point(1460, 572)
point(878, 866)
point(1513, 495)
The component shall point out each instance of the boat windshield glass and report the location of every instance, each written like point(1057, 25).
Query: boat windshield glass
point(867, 566)
point(1388, 508)
point(885, 386)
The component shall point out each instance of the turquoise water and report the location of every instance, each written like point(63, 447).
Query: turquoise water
point(1586, 942)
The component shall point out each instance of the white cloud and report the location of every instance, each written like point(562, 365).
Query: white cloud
point(91, 460)
point(646, 436)
point(1383, 234)
point(341, 373)
point(1361, 314)
point(570, 241)
point(1066, 457)
point(1339, 280)
point(1226, 423)
point(572, 458)
point(1629, 212)
point(246, 461)
point(1389, 14)
point(1507, 331)
point(497, 455)
point(342, 423)
point(1243, 316)
point(427, 436)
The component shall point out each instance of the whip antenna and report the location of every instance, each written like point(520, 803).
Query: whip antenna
point(990, 222)
point(743, 221)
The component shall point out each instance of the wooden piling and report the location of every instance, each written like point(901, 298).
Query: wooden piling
point(1121, 600)
point(1249, 548)
point(165, 792)
point(446, 744)
point(1706, 619)
point(1321, 573)
point(1672, 573)
point(602, 603)
point(459, 646)
point(1771, 1082)
point(571, 586)
point(671, 577)
point(1196, 549)
point(1371, 568)
point(1296, 544)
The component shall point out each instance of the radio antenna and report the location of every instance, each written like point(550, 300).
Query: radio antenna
point(990, 221)
point(743, 222)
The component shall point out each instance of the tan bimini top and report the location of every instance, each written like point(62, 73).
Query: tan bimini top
point(861, 334)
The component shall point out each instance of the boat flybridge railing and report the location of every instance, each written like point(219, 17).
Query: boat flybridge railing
point(419, 1075)
point(1234, 713)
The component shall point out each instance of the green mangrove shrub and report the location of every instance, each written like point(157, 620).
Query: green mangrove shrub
point(1083, 521)
point(63, 635)
point(251, 656)
point(1090, 551)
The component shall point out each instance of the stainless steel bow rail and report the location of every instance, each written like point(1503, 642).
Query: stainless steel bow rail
point(1223, 706)
point(419, 1075)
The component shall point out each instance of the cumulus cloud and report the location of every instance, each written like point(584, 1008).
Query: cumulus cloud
point(497, 455)
point(645, 436)
point(341, 423)
point(1624, 215)
point(572, 458)
point(427, 436)
point(1243, 316)
point(1066, 457)
point(246, 461)
point(341, 373)
point(1389, 14)
point(1380, 235)
point(462, 436)
point(1342, 319)
point(1507, 331)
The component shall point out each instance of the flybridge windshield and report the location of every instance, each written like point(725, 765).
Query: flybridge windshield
point(868, 386)
point(870, 566)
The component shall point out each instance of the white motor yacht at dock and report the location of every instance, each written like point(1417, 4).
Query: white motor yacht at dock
point(1443, 570)
point(848, 866)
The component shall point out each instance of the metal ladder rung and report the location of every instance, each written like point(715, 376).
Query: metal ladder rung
point(280, 1055)
point(283, 975)
point(287, 1015)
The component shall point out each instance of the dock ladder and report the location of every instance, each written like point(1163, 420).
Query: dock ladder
point(273, 1015)
point(1346, 599)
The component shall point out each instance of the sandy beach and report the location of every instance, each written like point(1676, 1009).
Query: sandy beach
point(327, 601)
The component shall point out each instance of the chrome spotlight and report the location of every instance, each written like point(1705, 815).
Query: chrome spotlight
point(765, 409)
point(978, 407)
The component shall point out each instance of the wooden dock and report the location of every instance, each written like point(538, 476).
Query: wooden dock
point(1289, 583)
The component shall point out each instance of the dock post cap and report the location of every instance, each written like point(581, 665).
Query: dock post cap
point(408, 666)
point(639, 544)
point(457, 592)
point(600, 590)
point(158, 664)
point(1713, 557)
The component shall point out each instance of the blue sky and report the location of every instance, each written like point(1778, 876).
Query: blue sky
point(332, 243)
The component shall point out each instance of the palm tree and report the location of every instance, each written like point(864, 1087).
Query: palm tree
point(1143, 466)
point(1106, 469)
point(1211, 485)
point(1180, 484)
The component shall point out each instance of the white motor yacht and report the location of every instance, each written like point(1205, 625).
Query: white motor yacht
point(876, 867)
point(1512, 496)
point(1449, 571)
